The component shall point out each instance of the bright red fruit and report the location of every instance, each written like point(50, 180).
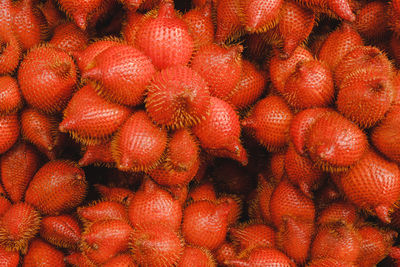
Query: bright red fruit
point(9, 131)
point(10, 95)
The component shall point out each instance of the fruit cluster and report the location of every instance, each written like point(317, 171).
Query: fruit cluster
point(233, 133)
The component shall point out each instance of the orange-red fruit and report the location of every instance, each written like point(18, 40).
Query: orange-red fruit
point(156, 245)
point(229, 21)
point(9, 131)
point(103, 210)
point(281, 68)
point(89, 118)
point(261, 257)
point(103, 240)
point(372, 20)
point(5, 204)
point(220, 131)
point(165, 38)
point(249, 236)
point(335, 143)
point(120, 195)
point(97, 154)
point(329, 262)
point(338, 44)
point(220, 66)
point(338, 212)
point(340, 8)
point(17, 167)
point(123, 72)
point(56, 187)
point(204, 191)
point(18, 225)
point(42, 254)
point(339, 242)
point(10, 51)
point(250, 87)
point(373, 183)
point(205, 224)
point(80, 11)
point(132, 5)
point(132, 23)
point(286, 201)
point(295, 25)
point(269, 122)
point(47, 77)
point(260, 15)
point(226, 252)
point(310, 85)
point(151, 204)
point(140, 144)
point(8, 258)
point(121, 260)
point(61, 231)
point(10, 95)
point(196, 257)
point(177, 97)
point(264, 192)
point(79, 259)
point(69, 37)
point(386, 135)
point(51, 13)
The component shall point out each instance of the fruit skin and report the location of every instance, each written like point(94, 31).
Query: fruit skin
point(68, 37)
point(9, 131)
point(228, 21)
point(372, 20)
point(42, 254)
point(259, 15)
point(61, 231)
point(80, 11)
point(102, 210)
point(57, 186)
point(259, 257)
point(10, 95)
point(196, 257)
point(8, 258)
point(250, 235)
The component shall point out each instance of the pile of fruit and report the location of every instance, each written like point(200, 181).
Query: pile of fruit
point(202, 133)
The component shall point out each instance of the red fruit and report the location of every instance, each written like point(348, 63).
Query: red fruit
point(121, 260)
point(264, 192)
point(250, 87)
point(248, 236)
point(281, 68)
point(42, 254)
point(269, 122)
point(18, 225)
point(338, 44)
point(335, 143)
point(151, 204)
point(132, 5)
point(17, 167)
point(80, 11)
point(339, 242)
point(277, 166)
point(385, 136)
point(204, 191)
point(98, 154)
point(8, 258)
point(10, 95)
point(61, 231)
point(121, 195)
point(133, 22)
point(295, 25)
point(79, 259)
point(156, 245)
point(260, 15)
point(10, 49)
point(224, 253)
point(139, 145)
point(338, 212)
point(177, 97)
point(47, 77)
point(310, 85)
point(301, 124)
point(220, 66)
point(5, 204)
point(373, 183)
point(329, 262)
point(51, 13)
point(196, 257)
point(287, 201)
point(205, 224)
point(90, 119)
point(103, 240)
point(235, 207)
point(123, 72)
point(261, 257)
point(103, 210)
point(200, 25)
point(56, 187)
point(372, 20)
point(166, 38)
point(340, 8)
point(69, 37)
point(229, 22)
point(219, 133)
point(29, 25)
point(9, 131)
point(395, 47)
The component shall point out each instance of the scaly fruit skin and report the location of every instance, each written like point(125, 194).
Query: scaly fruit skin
point(260, 15)
point(121, 260)
point(10, 52)
point(90, 118)
point(61, 231)
point(248, 236)
point(10, 95)
point(123, 72)
point(57, 186)
point(120, 195)
point(372, 20)
point(80, 11)
point(42, 254)
point(205, 191)
point(51, 13)
point(338, 212)
point(220, 131)
point(156, 245)
point(373, 184)
point(152, 204)
point(261, 257)
point(166, 38)
point(69, 37)
point(177, 97)
point(205, 224)
point(17, 168)
point(139, 145)
point(47, 77)
point(329, 262)
point(103, 210)
point(97, 154)
point(8, 258)
point(269, 122)
point(9, 131)
point(196, 257)
point(229, 21)
point(335, 143)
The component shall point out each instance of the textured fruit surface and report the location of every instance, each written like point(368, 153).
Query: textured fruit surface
point(259, 257)
point(69, 37)
point(80, 11)
point(61, 231)
point(103, 210)
point(9, 131)
point(196, 257)
point(253, 235)
point(260, 15)
point(10, 50)
point(229, 21)
point(372, 21)
point(8, 258)
point(42, 254)
point(10, 95)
